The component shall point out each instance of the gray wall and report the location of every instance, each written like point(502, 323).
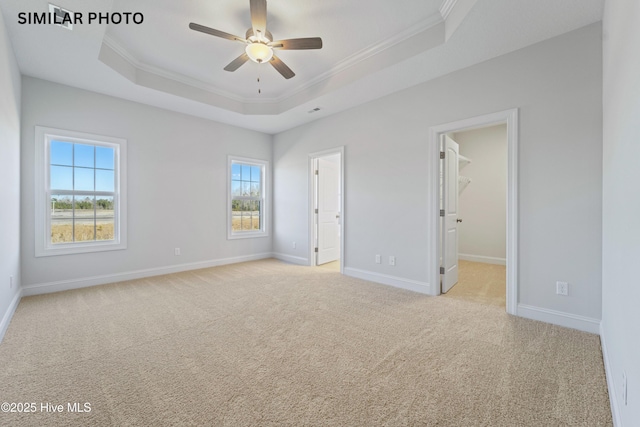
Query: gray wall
point(9, 177)
point(621, 206)
point(557, 86)
point(177, 184)
point(483, 203)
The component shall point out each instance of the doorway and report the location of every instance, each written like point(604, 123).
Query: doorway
point(326, 171)
point(479, 194)
point(439, 249)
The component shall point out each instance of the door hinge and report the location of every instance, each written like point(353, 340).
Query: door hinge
point(441, 270)
point(316, 250)
point(316, 210)
point(317, 172)
point(441, 212)
point(442, 154)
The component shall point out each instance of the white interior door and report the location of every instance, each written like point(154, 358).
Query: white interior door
point(328, 211)
point(450, 222)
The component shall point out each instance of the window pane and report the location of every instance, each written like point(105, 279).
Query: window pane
point(84, 215)
point(246, 220)
point(61, 178)
point(84, 230)
point(83, 155)
point(105, 221)
point(236, 188)
point(255, 189)
point(236, 171)
point(104, 180)
point(255, 173)
point(61, 153)
point(246, 173)
point(246, 188)
point(61, 219)
point(83, 179)
point(236, 215)
point(84, 206)
point(104, 157)
point(255, 214)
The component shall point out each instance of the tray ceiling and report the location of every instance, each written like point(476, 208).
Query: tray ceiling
point(370, 48)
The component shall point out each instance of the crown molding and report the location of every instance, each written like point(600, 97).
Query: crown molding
point(367, 53)
point(342, 66)
point(180, 78)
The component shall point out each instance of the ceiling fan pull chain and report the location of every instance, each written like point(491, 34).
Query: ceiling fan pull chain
point(259, 91)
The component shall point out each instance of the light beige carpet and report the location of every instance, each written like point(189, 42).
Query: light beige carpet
point(271, 344)
point(481, 283)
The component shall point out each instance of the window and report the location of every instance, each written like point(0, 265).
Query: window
point(247, 198)
point(80, 192)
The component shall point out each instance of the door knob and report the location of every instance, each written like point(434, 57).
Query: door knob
point(458, 220)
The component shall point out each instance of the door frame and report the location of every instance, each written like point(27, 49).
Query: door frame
point(510, 118)
point(313, 196)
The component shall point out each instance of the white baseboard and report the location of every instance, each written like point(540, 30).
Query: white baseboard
point(613, 397)
point(398, 282)
point(6, 319)
point(65, 285)
point(290, 258)
point(568, 320)
point(484, 259)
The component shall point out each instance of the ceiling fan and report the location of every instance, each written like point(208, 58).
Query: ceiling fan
point(259, 42)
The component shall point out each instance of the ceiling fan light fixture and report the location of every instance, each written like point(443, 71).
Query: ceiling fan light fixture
point(259, 52)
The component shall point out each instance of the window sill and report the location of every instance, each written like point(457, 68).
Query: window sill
point(78, 248)
point(234, 236)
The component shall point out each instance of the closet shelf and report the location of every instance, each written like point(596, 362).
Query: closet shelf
point(463, 161)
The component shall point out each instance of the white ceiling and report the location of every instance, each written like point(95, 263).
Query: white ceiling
point(371, 48)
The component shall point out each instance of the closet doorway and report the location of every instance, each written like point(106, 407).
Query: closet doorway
point(476, 175)
point(487, 243)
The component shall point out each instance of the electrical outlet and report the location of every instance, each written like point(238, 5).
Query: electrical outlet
point(562, 288)
point(10, 282)
point(177, 251)
point(624, 388)
point(378, 259)
point(293, 245)
point(392, 260)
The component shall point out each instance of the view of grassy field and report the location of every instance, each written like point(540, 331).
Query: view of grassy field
point(245, 220)
point(62, 233)
point(80, 226)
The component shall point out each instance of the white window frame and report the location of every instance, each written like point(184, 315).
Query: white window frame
point(43, 245)
point(264, 231)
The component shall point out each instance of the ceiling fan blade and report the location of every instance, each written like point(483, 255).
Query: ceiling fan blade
point(236, 63)
point(214, 32)
point(258, 16)
point(281, 67)
point(305, 43)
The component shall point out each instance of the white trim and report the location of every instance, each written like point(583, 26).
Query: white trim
point(84, 282)
point(264, 232)
point(484, 259)
point(312, 158)
point(611, 387)
point(6, 319)
point(560, 318)
point(385, 279)
point(291, 259)
point(43, 246)
point(170, 75)
point(510, 117)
